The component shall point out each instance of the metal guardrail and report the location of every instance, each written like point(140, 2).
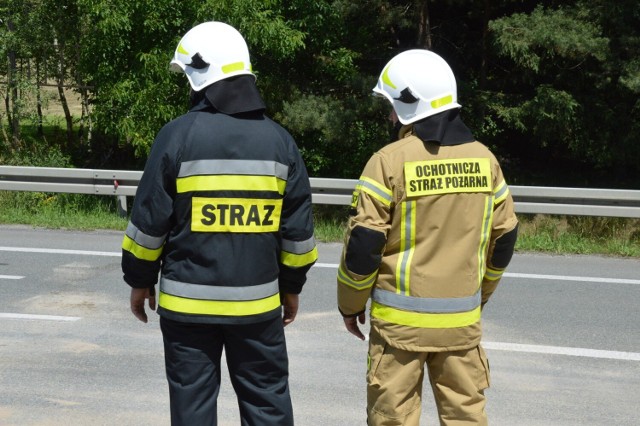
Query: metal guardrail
point(123, 183)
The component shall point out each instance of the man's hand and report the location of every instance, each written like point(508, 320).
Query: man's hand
point(290, 303)
point(138, 296)
point(352, 325)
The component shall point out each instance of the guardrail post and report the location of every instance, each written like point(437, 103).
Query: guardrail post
point(122, 205)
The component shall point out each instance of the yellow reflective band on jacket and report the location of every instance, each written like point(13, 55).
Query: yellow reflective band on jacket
point(242, 215)
point(487, 219)
point(448, 176)
point(295, 260)
point(407, 246)
point(139, 251)
point(493, 274)
point(425, 320)
point(219, 307)
point(363, 284)
point(230, 183)
point(374, 189)
point(500, 192)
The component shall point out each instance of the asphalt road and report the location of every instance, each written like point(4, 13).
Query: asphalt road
point(561, 333)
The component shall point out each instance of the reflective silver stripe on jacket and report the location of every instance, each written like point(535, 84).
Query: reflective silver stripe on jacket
point(501, 190)
point(426, 304)
point(407, 246)
point(364, 184)
point(209, 292)
point(143, 239)
point(298, 247)
point(234, 167)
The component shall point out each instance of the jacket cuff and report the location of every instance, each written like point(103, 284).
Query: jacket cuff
point(289, 287)
point(357, 314)
point(136, 284)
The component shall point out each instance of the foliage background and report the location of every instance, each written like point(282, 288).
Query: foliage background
point(551, 86)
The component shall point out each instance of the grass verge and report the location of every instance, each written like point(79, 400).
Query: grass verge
point(537, 233)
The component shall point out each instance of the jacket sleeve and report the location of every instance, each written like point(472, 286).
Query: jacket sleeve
point(365, 239)
point(150, 220)
point(504, 234)
point(298, 251)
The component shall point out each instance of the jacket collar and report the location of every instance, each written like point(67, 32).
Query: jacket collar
point(445, 128)
point(230, 96)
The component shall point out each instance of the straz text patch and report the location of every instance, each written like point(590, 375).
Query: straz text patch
point(447, 176)
point(235, 215)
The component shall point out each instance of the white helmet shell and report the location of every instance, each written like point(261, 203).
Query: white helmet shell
point(418, 83)
point(210, 52)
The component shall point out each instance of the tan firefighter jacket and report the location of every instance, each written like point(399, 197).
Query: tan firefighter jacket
point(432, 230)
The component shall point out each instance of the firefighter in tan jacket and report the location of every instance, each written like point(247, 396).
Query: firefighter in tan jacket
point(432, 230)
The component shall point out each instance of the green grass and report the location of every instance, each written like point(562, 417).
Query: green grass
point(60, 211)
point(538, 233)
point(579, 235)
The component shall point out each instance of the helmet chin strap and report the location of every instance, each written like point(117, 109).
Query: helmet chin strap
point(196, 97)
point(394, 131)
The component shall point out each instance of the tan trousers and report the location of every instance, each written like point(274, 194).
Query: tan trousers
point(394, 385)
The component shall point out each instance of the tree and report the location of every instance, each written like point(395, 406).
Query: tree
point(12, 49)
point(551, 85)
point(562, 84)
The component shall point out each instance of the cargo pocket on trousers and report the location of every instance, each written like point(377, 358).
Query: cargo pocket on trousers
point(484, 379)
point(377, 347)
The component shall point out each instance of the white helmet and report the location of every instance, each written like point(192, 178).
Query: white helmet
point(418, 83)
point(210, 52)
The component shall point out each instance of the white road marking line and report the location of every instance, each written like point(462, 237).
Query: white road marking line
point(325, 265)
point(335, 266)
point(570, 278)
point(537, 276)
point(38, 317)
point(518, 347)
point(559, 350)
point(10, 277)
point(61, 251)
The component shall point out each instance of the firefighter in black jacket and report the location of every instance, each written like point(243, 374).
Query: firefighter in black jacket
point(223, 213)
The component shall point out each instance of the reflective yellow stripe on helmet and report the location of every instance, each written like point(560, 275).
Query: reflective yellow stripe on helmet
point(229, 68)
point(182, 50)
point(438, 103)
point(386, 79)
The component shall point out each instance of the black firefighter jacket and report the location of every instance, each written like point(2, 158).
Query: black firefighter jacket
point(223, 211)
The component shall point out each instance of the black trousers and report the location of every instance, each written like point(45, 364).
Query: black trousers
point(258, 367)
